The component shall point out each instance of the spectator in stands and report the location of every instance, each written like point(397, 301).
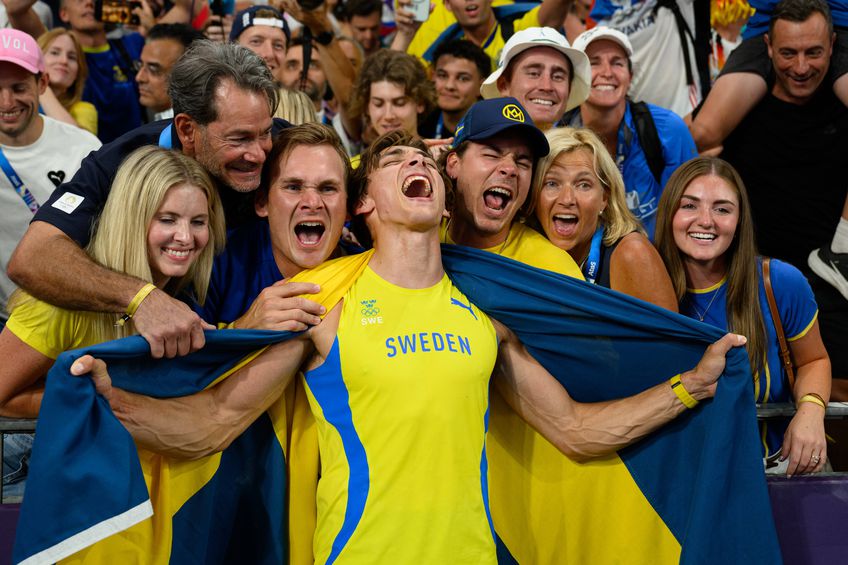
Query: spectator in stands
point(491, 165)
point(477, 21)
point(263, 30)
point(745, 77)
point(673, 71)
point(302, 206)
point(223, 97)
point(458, 72)
point(392, 92)
point(364, 18)
point(797, 136)
point(330, 73)
point(314, 84)
point(37, 152)
point(540, 69)
point(112, 65)
point(581, 208)
point(162, 223)
point(64, 62)
point(647, 142)
point(705, 235)
point(165, 44)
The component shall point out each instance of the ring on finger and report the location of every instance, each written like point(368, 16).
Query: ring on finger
point(815, 459)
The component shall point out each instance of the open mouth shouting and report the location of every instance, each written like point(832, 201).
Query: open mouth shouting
point(497, 198)
point(417, 186)
point(565, 225)
point(309, 233)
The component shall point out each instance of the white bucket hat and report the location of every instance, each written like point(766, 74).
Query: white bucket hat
point(543, 37)
point(603, 32)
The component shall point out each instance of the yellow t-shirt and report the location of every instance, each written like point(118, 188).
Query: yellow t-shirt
point(529, 247)
point(401, 406)
point(48, 329)
point(85, 114)
point(442, 18)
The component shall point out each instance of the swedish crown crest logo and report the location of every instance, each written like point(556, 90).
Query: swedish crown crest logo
point(513, 112)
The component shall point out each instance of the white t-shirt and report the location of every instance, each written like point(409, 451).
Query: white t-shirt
point(42, 166)
point(659, 73)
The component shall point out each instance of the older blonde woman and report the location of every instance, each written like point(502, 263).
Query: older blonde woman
point(580, 207)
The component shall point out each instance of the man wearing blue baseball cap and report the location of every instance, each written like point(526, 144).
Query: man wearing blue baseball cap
point(263, 30)
point(491, 164)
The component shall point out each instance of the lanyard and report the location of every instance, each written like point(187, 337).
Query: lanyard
point(18, 184)
point(590, 267)
point(165, 141)
point(440, 126)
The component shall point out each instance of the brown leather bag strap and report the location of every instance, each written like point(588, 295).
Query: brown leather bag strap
point(778, 326)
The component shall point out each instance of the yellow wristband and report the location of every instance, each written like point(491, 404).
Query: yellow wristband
point(136, 302)
point(681, 392)
point(814, 398)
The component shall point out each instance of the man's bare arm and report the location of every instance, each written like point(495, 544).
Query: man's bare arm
point(51, 266)
point(22, 17)
point(582, 431)
point(191, 427)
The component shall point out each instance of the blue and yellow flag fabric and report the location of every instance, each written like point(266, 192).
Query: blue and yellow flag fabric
point(693, 492)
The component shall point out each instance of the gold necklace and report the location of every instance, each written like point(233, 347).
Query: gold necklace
point(707, 309)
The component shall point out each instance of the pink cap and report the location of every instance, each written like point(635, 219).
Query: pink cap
point(21, 49)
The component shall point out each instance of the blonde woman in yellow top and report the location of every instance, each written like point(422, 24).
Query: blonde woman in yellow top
point(163, 223)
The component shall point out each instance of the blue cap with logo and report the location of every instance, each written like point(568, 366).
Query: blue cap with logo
point(258, 16)
point(488, 118)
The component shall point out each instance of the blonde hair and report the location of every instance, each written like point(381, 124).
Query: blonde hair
point(295, 107)
point(744, 315)
point(617, 218)
point(74, 92)
point(120, 240)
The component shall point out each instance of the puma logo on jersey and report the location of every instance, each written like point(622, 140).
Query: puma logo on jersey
point(456, 302)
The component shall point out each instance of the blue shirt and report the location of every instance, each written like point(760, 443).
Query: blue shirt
point(798, 310)
point(111, 87)
point(240, 273)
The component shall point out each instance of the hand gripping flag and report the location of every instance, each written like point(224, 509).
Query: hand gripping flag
point(693, 492)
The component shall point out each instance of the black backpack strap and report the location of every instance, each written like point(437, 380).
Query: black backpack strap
point(649, 139)
point(686, 35)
